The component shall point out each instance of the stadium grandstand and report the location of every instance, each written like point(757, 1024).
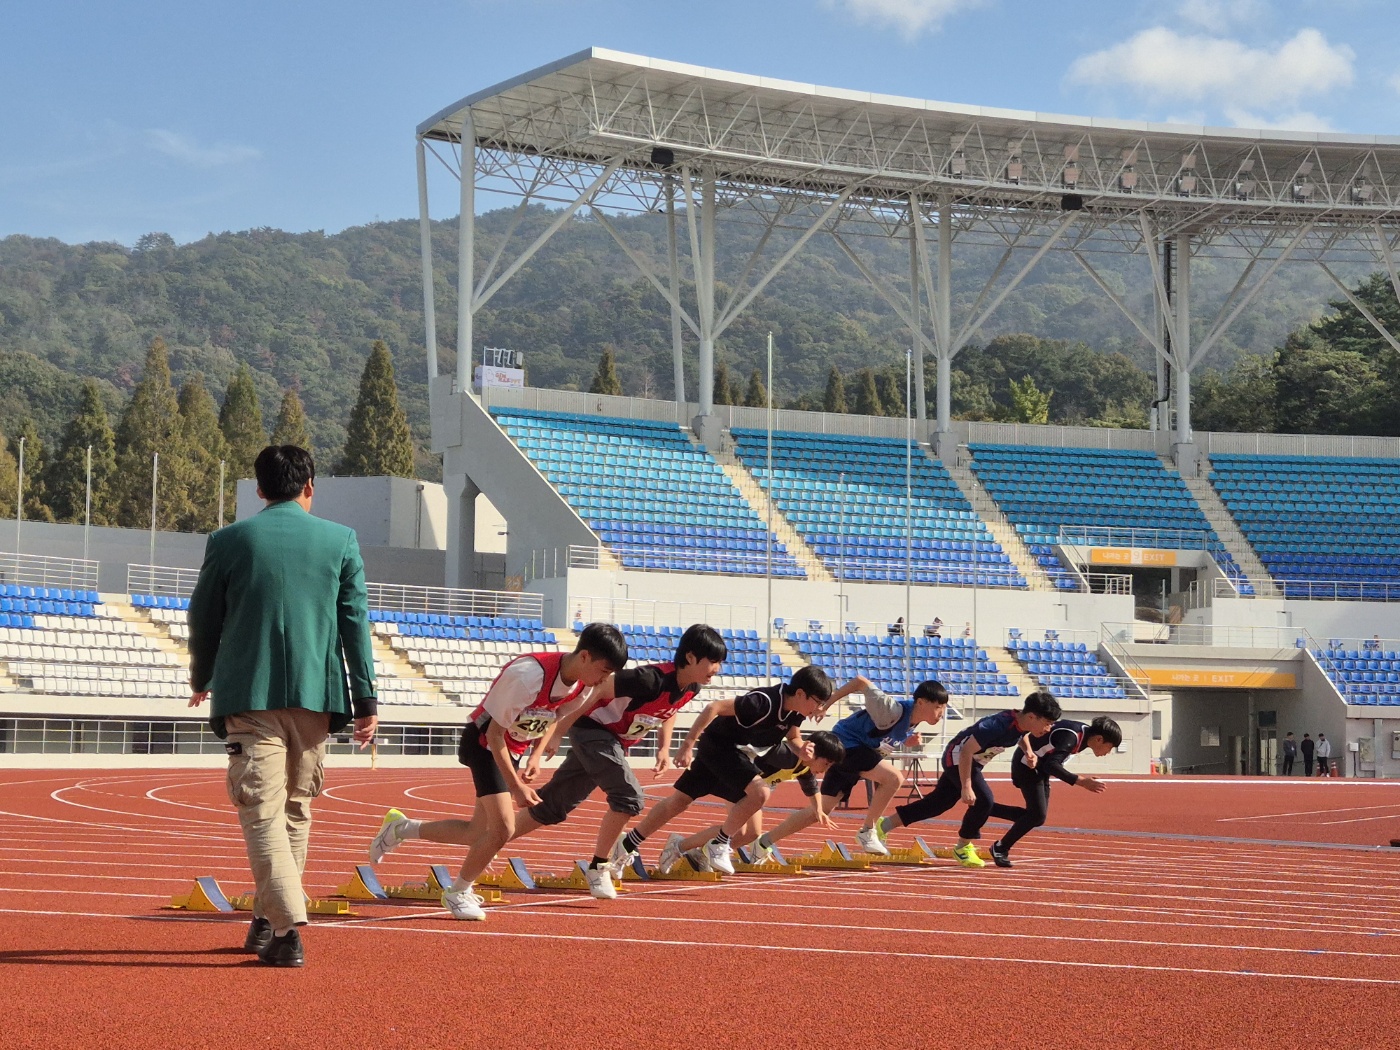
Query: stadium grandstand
point(1211, 592)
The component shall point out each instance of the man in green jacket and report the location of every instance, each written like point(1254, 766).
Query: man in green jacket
point(278, 617)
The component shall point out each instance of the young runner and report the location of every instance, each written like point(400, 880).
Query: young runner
point(962, 778)
point(762, 719)
point(819, 752)
point(530, 693)
point(1065, 739)
point(868, 736)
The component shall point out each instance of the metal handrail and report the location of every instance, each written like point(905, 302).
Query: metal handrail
point(1133, 536)
point(34, 570)
point(1320, 590)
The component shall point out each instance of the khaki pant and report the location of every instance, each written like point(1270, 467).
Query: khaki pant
point(275, 769)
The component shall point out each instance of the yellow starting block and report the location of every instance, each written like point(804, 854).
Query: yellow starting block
point(908, 855)
point(681, 871)
point(439, 880)
point(313, 905)
point(946, 852)
point(515, 877)
point(205, 895)
point(779, 865)
point(834, 856)
point(575, 880)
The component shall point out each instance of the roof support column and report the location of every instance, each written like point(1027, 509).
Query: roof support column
point(943, 330)
point(466, 254)
point(677, 347)
point(916, 323)
point(425, 241)
point(705, 425)
point(1181, 347)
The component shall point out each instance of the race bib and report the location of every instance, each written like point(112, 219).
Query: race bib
point(533, 723)
point(983, 757)
point(641, 726)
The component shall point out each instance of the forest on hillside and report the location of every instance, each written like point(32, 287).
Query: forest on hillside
point(301, 311)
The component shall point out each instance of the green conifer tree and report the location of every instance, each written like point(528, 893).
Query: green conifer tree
point(724, 388)
point(1029, 404)
point(195, 465)
point(605, 380)
point(757, 394)
point(149, 425)
point(290, 428)
point(891, 388)
point(9, 479)
point(240, 420)
point(67, 474)
point(36, 506)
point(835, 398)
point(867, 402)
point(377, 441)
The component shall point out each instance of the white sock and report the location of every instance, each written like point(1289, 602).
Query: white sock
point(408, 829)
point(460, 885)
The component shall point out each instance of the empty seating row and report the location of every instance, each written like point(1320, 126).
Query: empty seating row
point(1067, 669)
point(51, 594)
point(882, 660)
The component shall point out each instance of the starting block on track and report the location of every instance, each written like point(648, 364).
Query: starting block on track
point(779, 865)
point(364, 886)
point(916, 855)
point(575, 880)
point(515, 877)
point(205, 895)
point(684, 870)
point(438, 882)
point(636, 871)
point(314, 906)
point(833, 856)
point(946, 852)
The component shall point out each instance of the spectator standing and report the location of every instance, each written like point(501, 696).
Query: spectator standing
point(1324, 755)
point(1307, 748)
point(1290, 754)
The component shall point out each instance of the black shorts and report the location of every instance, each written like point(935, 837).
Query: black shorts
point(725, 772)
point(843, 776)
point(473, 753)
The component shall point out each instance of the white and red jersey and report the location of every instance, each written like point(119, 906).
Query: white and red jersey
point(525, 698)
point(643, 698)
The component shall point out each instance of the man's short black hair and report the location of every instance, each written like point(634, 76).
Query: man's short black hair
point(932, 691)
point(1042, 703)
point(811, 680)
point(283, 471)
point(1105, 727)
point(827, 745)
point(604, 642)
point(704, 642)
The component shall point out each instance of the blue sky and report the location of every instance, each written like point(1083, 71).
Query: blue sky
point(122, 119)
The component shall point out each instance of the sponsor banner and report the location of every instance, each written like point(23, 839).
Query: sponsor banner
point(1195, 678)
point(493, 376)
point(1144, 556)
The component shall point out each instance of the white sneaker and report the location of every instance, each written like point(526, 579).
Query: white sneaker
point(600, 883)
point(388, 838)
point(759, 854)
point(464, 904)
point(717, 853)
point(698, 860)
point(619, 858)
point(670, 853)
point(868, 841)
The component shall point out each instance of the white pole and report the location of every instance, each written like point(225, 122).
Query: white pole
point(908, 523)
point(841, 574)
point(772, 495)
point(155, 473)
point(19, 496)
point(223, 467)
point(425, 247)
point(466, 257)
point(87, 504)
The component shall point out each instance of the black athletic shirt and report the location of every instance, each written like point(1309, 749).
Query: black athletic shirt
point(1052, 749)
point(758, 720)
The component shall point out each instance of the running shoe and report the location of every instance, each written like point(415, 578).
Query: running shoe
point(600, 883)
point(718, 854)
point(696, 859)
point(388, 838)
point(1001, 856)
point(759, 854)
point(619, 858)
point(869, 840)
point(464, 904)
point(967, 856)
point(670, 853)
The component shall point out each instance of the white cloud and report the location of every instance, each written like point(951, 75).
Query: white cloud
point(1217, 16)
point(1393, 81)
point(1299, 120)
point(910, 17)
point(187, 151)
point(1164, 65)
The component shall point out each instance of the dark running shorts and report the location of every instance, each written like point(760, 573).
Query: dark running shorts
point(845, 775)
point(473, 753)
point(725, 772)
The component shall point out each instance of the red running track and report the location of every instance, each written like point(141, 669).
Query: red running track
point(1164, 913)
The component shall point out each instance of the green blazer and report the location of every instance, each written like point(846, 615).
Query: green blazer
point(279, 616)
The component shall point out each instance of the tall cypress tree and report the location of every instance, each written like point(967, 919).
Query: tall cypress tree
point(67, 475)
point(724, 389)
point(9, 477)
point(605, 380)
point(240, 420)
point(290, 428)
point(867, 397)
point(757, 395)
point(36, 506)
point(377, 441)
point(835, 397)
point(891, 388)
point(196, 466)
point(150, 424)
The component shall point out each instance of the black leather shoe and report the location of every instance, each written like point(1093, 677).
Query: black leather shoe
point(1000, 857)
point(259, 935)
point(283, 951)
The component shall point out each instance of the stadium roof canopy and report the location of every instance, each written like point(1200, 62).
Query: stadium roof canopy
point(607, 131)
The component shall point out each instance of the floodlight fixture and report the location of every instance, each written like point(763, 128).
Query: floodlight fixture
point(957, 167)
point(1361, 190)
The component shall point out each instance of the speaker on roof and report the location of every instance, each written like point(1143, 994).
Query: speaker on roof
point(663, 157)
point(1071, 202)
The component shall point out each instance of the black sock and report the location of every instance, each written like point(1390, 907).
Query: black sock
point(721, 839)
point(632, 841)
point(598, 862)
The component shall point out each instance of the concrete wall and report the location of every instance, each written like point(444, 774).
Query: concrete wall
point(113, 548)
point(384, 512)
